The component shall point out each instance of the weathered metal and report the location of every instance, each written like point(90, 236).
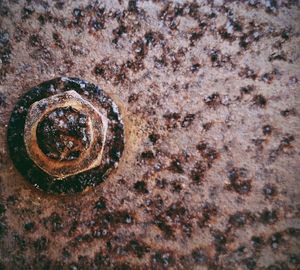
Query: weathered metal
point(65, 135)
point(209, 94)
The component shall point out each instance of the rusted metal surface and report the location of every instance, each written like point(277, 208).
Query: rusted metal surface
point(210, 97)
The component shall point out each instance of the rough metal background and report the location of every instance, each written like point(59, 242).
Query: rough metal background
point(210, 98)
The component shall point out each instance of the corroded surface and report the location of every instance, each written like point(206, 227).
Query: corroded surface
point(95, 163)
point(210, 172)
point(63, 132)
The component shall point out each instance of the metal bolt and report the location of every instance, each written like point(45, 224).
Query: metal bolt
point(65, 134)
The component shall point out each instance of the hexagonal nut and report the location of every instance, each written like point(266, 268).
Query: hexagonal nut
point(65, 134)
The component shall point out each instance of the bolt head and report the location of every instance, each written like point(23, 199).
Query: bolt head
point(65, 134)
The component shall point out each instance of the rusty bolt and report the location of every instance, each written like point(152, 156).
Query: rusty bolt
point(65, 134)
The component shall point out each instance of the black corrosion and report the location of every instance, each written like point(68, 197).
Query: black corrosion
point(75, 183)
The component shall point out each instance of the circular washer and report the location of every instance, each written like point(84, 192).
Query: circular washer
point(112, 151)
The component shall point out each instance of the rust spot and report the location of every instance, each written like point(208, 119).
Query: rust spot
point(187, 120)
point(247, 72)
point(267, 129)
point(209, 153)
point(166, 229)
point(214, 100)
point(176, 166)
point(238, 183)
point(269, 191)
point(288, 112)
point(240, 219)
point(268, 216)
point(198, 172)
point(247, 89)
point(259, 101)
point(208, 212)
point(141, 187)
point(41, 244)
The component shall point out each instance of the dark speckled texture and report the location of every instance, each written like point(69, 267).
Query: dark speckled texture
point(209, 91)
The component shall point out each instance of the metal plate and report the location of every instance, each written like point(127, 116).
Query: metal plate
point(209, 177)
